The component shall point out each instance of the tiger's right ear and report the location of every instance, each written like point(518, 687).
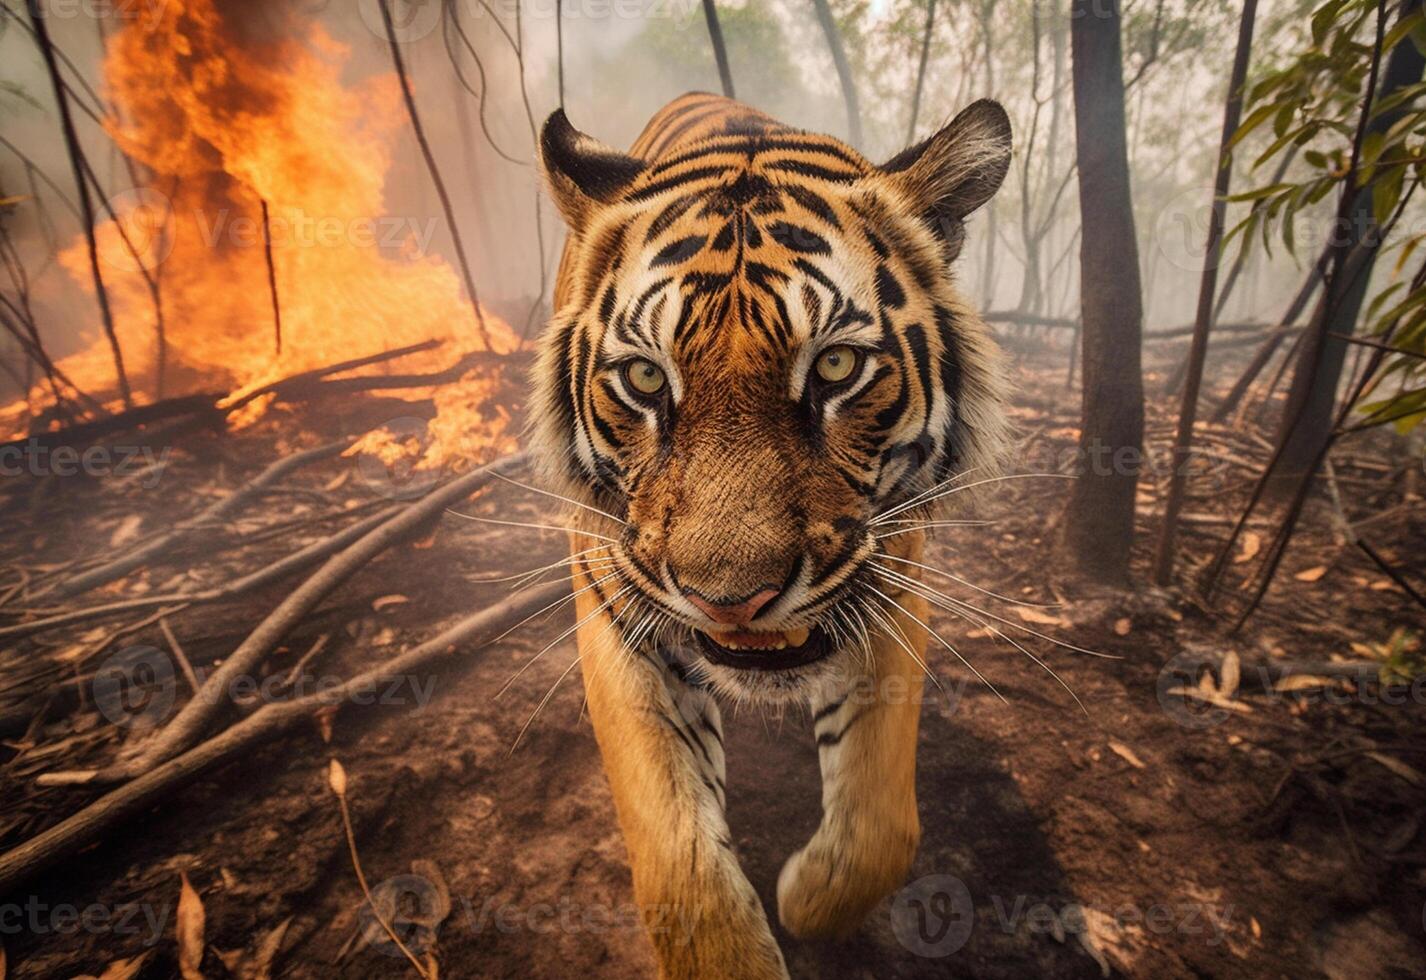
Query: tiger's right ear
point(583, 174)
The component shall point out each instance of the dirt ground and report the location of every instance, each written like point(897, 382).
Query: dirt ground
point(1144, 836)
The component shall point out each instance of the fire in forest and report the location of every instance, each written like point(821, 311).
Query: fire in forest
point(260, 219)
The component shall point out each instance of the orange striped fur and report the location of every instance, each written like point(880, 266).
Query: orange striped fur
point(757, 360)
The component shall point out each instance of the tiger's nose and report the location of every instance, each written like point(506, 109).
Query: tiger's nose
point(738, 613)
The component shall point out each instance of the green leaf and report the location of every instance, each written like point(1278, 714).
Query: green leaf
point(1254, 120)
point(1386, 192)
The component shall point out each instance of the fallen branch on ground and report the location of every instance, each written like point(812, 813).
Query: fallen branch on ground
point(296, 387)
point(188, 725)
point(288, 564)
point(22, 863)
point(126, 563)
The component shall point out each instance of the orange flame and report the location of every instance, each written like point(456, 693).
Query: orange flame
point(224, 123)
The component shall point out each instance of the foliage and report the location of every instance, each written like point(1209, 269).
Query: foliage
point(1312, 103)
point(1402, 656)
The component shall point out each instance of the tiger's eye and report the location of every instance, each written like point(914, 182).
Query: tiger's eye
point(836, 363)
point(645, 377)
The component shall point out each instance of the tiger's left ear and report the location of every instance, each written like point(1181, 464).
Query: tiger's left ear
point(582, 173)
point(952, 173)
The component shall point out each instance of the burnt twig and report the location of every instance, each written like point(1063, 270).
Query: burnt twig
point(22, 863)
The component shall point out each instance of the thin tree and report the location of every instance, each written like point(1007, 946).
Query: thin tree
point(431, 167)
point(1207, 286)
point(921, 72)
point(271, 277)
point(1308, 414)
point(844, 69)
point(86, 207)
point(720, 50)
point(1269, 346)
point(1099, 519)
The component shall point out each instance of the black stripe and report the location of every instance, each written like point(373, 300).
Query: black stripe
point(671, 213)
point(815, 203)
point(750, 145)
point(921, 356)
point(688, 176)
point(693, 742)
point(829, 709)
point(802, 168)
point(796, 238)
point(888, 289)
point(679, 250)
point(827, 739)
point(669, 137)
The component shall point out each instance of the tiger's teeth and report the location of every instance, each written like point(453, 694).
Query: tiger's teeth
point(796, 637)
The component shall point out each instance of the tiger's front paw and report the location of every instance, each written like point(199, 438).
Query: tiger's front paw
point(827, 889)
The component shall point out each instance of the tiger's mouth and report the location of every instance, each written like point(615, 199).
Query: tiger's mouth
point(784, 650)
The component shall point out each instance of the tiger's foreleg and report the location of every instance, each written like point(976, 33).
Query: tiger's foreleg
point(866, 744)
point(661, 741)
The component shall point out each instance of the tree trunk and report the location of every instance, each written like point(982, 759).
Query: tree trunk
point(844, 70)
point(921, 72)
point(720, 51)
point(1099, 521)
point(1198, 350)
point(1308, 415)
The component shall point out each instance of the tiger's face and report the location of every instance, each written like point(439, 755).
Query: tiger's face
point(757, 353)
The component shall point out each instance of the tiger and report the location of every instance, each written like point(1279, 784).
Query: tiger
point(757, 383)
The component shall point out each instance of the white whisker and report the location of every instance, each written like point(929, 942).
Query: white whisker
point(568, 500)
point(538, 527)
point(978, 483)
point(557, 640)
point(941, 640)
point(918, 498)
point(969, 585)
point(903, 640)
point(567, 560)
point(996, 632)
point(1007, 622)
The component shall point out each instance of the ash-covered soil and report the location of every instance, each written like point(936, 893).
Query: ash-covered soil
point(1140, 837)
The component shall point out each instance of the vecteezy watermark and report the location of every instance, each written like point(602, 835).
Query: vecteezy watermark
point(415, 907)
point(399, 474)
point(138, 686)
point(565, 915)
point(1180, 230)
point(413, 20)
point(145, 13)
point(934, 916)
point(34, 457)
point(1181, 698)
point(412, 907)
point(143, 218)
point(1099, 458)
point(144, 237)
point(294, 228)
point(145, 920)
point(135, 687)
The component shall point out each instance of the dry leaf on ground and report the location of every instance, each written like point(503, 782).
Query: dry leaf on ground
point(1302, 682)
point(190, 931)
point(1127, 754)
point(1230, 674)
point(1031, 615)
point(1406, 772)
point(126, 969)
point(1252, 544)
point(126, 531)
